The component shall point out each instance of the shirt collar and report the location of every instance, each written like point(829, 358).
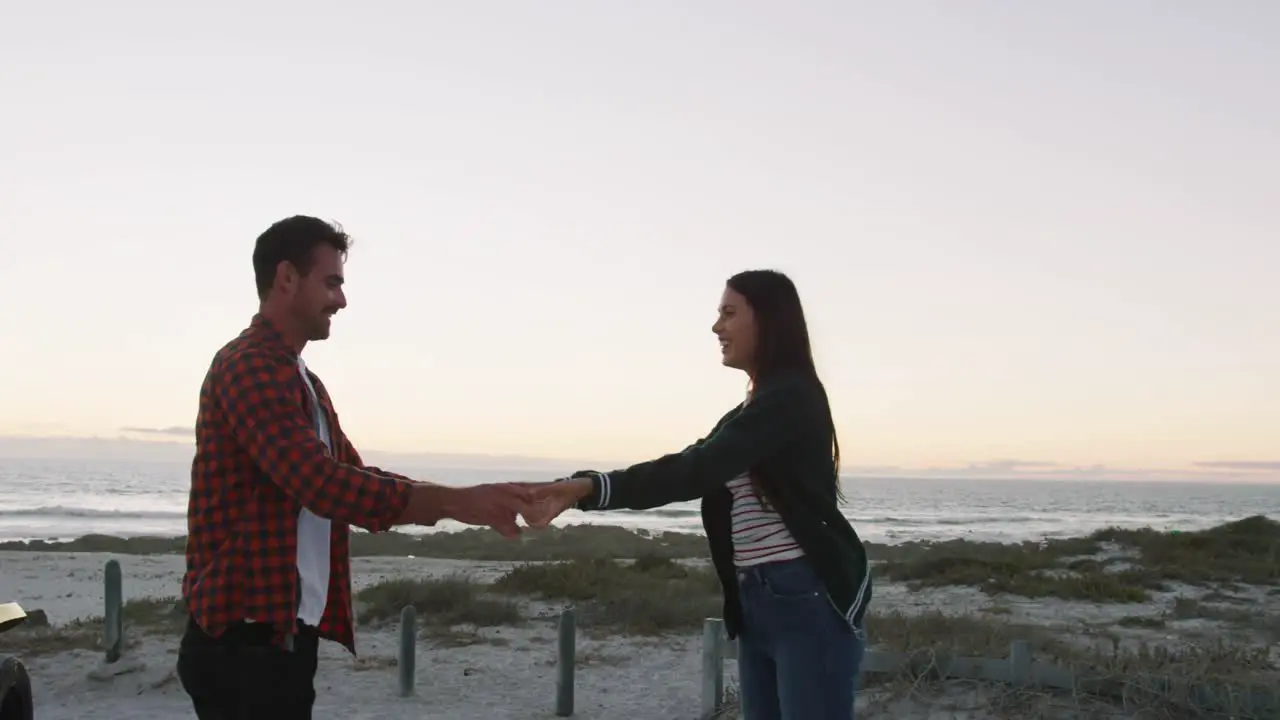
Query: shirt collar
point(268, 335)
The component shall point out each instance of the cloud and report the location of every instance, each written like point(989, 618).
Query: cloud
point(41, 428)
point(172, 431)
point(1247, 465)
point(870, 469)
point(1005, 466)
point(1046, 470)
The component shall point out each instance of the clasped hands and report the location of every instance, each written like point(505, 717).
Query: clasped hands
point(499, 505)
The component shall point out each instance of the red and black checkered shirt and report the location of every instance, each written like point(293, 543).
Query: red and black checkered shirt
point(258, 462)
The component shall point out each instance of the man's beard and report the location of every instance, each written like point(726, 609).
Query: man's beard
point(320, 328)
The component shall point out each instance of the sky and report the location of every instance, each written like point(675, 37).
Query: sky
point(1041, 235)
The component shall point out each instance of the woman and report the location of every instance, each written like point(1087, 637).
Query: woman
point(795, 574)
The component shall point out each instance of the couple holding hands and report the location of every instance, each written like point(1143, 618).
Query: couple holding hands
point(276, 485)
point(537, 503)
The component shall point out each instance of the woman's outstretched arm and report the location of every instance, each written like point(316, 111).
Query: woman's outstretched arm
point(774, 418)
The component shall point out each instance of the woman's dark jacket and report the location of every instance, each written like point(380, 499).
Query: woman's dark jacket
point(783, 438)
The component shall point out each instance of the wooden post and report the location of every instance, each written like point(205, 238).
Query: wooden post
point(566, 659)
point(113, 619)
point(408, 660)
point(1020, 663)
point(713, 639)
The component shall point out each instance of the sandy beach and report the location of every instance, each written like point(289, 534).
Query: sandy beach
point(508, 670)
point(511, 677)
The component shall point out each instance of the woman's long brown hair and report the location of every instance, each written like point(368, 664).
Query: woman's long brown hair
point(782, 345)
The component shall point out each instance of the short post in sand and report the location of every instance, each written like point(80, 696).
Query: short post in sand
point(112, 615)
point(566, 659)
point(1020, 663)
point(114, 662)
point(407, 662)
point(713, 640)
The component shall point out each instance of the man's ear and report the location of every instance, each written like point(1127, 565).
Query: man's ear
point(287, 277)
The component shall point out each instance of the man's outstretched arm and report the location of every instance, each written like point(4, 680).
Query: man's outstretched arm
point(257, 398)
point(492, 505)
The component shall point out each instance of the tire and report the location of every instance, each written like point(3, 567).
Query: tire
point(15, 691)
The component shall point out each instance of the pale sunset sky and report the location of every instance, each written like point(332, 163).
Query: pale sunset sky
point(1023, 231)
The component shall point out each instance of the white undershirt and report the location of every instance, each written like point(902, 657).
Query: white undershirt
point(313, 534)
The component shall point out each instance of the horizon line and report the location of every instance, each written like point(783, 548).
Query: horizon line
point(1239, 471)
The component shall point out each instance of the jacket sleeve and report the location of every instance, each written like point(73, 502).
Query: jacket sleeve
point(259, 402)
point(774, 418)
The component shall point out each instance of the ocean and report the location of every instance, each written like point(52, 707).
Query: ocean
point(63, 499)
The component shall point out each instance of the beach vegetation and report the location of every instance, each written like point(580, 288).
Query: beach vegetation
point(570, 542)
point(439, 603)
point(1093, 648)
point(1112, 565)
point(651, 596)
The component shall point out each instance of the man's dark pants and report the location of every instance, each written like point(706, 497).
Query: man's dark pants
point(241, 675)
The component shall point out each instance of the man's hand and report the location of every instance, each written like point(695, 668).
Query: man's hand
point(495, 505)
point(551, 499)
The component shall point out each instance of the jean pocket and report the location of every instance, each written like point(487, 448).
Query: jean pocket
point(791, 580)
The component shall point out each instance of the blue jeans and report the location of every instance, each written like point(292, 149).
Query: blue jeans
point(797, 657)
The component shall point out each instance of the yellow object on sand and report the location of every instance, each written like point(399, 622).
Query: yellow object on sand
point(11, 616)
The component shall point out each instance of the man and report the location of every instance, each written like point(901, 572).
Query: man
point(275, 485)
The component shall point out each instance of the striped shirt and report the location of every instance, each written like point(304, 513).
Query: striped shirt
point(759, 535)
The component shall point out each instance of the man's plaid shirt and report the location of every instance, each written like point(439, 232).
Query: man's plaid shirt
point(258, 462)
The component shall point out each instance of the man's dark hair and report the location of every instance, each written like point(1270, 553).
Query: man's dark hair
point(293, 240)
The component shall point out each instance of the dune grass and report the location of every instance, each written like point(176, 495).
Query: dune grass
point(573, 542)
point(1112, 565)
point(452, 600)
point(651, 596)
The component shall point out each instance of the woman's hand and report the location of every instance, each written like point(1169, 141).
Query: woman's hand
point(553, 498)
